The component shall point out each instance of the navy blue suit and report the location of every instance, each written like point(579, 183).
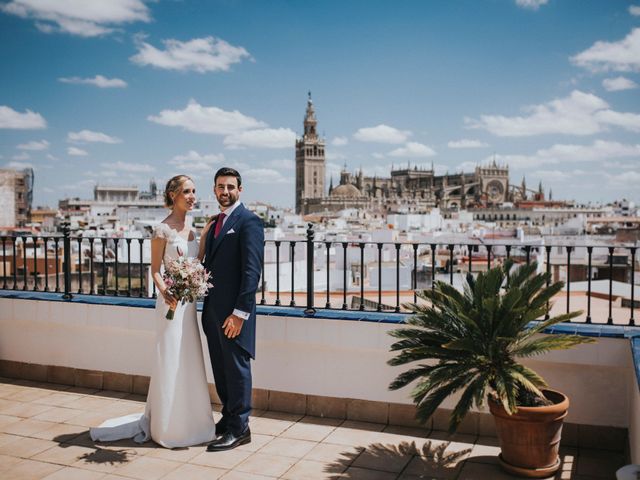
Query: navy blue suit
point(234, 259)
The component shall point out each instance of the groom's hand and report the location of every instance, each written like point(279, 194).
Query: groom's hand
point(232, 326)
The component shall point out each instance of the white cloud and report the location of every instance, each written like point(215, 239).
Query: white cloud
point(618, 83)
point(378, 155)
point(29, 120)
point(211, 120)
point(283, 164)
point(81, 185)
point(578, 114)
point(264, 138)
point(265, 175)
point(98, 81)
point(413, 150)
point(466, 143)
point(531, 4)
point(195, 162)
point(382, 134)
point(18, 165)
point(329, 155)
point(339, 141)
point(129, 167)
point(89, 136)
point(79, 17)
point(622, 56)
point(21, 156)
point(207, 54)
point(34, 145)
point(77, 152)
point(634, 10)
point(628, 121)
point(51, 157)
point(598, 151)
point(625, 179)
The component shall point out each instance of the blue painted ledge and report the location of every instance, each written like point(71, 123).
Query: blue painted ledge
point(590, 330)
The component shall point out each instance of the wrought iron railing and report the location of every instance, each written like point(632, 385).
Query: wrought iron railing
point(75, 264)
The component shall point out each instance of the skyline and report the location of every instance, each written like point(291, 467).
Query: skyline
point(146, 90)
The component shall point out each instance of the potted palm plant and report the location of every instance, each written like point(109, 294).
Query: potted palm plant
point(470, 343)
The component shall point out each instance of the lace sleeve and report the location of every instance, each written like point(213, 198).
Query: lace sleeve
point(162, 231)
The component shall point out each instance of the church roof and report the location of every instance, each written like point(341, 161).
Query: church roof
point(348, 190)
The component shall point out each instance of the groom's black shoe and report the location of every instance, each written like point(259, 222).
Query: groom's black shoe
point(220, 429)
point(228, 441)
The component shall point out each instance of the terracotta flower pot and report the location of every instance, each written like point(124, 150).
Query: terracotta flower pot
point(530, 438)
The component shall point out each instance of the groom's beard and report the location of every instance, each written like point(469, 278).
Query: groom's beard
point(227, 200)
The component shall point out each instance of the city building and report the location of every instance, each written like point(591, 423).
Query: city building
point(16, 196)
point(407, 189)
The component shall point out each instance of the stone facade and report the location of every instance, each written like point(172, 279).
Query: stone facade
point(406, 190)
point(16, 197)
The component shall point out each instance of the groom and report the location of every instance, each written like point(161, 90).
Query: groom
point(234, 254)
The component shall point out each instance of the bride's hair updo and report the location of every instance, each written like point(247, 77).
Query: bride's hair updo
point(174, 185)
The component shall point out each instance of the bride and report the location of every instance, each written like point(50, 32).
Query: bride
point(178, 411)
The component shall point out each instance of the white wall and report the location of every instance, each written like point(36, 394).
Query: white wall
point(334, 358)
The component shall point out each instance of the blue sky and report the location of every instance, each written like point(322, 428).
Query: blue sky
point(120, 91)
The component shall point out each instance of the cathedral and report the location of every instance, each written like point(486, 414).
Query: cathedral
point(406, 190)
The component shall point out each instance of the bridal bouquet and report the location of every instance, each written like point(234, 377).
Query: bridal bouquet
point(186, 279)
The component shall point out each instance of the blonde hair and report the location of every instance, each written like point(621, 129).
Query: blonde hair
point(174, 185)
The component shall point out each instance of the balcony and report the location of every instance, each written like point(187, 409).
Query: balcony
point(322, 408)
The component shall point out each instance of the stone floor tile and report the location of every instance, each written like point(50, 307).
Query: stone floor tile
point(354, 436)
point(6, 420)
point(70, 473)
point(90, 403)
point(387, 458)
point(288, 447)
point(104, 460)
point(486, 450)
point(27, 427)
point(63, 454)
point(82, 390)
point(26, 410)
point(311, 429)
point(244, 476)
point(598, 463)
point(7, 461)
point(269, 426)
point(355, 473)
point(436, 467)
point(482, 471)
point(257, 442)
point(225, 460)
point(312, 470)
point(29, 395)
point(181, 455)
point(26, 447)
point(60, 432)
point(8, 438)
point(330, 453)
point(29, 470)
point(89, 418)
point(195, 472)
point(263, 464)
point(146, 468)
point(57, 414)
point(58, 399)
point(111, 394)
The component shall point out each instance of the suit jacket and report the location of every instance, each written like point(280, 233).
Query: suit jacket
point(235, 259)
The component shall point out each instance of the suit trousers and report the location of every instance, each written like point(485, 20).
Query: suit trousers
point(231, 366)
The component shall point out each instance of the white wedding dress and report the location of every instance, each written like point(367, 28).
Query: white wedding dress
point(178, 411)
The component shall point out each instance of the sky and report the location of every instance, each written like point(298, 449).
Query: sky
point(118, 92)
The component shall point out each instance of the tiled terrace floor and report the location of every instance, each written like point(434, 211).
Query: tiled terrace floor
point(44, 435)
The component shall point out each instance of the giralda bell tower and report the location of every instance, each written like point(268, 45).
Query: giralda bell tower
point(310, 164)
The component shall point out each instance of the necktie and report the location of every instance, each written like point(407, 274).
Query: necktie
point(219, 223)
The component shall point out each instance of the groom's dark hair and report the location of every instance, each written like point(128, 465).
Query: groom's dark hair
point(228, 172)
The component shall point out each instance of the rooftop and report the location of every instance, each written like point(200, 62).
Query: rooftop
point(44, 435)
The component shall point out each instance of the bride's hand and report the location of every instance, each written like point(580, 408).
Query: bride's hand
point(169, 299)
